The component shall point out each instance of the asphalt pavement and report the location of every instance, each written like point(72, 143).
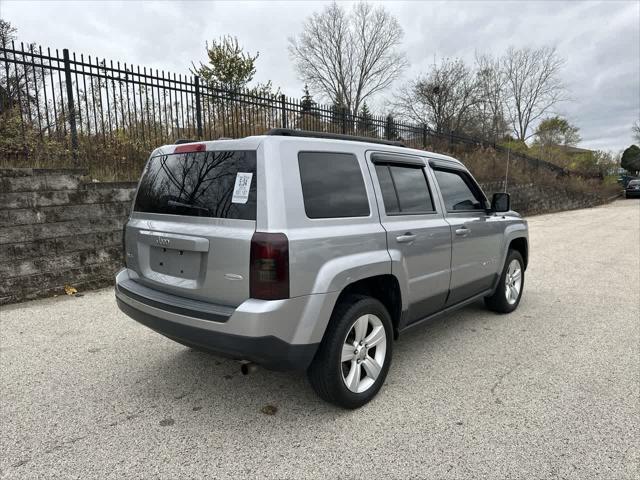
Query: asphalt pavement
point(549, 391)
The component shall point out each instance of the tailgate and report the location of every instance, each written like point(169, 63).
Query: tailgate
point(191, 228)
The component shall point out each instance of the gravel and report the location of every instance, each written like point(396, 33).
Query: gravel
point(550, 391)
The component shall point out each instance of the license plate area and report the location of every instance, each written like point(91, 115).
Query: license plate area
point(175, 262)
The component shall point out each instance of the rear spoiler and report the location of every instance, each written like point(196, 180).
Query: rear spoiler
point(186, 140)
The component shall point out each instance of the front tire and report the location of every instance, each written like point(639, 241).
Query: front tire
point(355, 354)
point(507, 296)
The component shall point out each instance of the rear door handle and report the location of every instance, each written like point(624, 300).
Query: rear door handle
point(406, 238)
point(462, 232)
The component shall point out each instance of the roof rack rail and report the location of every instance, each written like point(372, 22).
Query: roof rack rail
point(289, 132)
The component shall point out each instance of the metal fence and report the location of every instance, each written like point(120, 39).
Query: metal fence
point(64, 109)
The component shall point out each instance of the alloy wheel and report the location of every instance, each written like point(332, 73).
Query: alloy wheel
point(363, 353)
point(513, 281)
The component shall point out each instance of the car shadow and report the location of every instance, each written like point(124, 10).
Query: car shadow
point(194, 380)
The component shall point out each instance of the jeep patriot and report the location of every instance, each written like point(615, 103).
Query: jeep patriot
point(309, 251)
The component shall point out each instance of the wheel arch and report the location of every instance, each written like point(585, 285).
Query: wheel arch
point(521, 245)
point(384, 288)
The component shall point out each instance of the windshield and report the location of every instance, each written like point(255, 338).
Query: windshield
point(220, 184)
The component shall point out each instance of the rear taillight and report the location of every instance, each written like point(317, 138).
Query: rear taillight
point(124, 245)
point(269, 271)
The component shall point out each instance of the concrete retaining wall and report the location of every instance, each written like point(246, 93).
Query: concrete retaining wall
point(534, 199)
point(56, 229)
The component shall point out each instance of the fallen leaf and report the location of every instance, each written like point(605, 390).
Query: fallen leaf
point(167, 422)
point(269, 410)
point(69, 290)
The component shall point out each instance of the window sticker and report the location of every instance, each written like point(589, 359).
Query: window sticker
point(241, 188)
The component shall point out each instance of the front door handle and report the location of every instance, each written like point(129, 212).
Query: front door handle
point(406, 238)
point(462, 231)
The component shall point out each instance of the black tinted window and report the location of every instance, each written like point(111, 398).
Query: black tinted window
point(388, 190)
point(332, 185)
point(412, 189)
point(457, 194)
point(202, 184)
point(404, 189)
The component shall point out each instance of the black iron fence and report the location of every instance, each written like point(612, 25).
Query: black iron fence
point(61, 109)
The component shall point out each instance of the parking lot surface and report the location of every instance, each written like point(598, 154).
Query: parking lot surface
point(549, 391)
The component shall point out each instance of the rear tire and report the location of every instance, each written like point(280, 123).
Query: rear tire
point(354, 356)
point(507, 296)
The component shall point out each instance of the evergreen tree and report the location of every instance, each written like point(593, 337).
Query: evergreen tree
point(307, 103)
point(338, 116)
point(229, 66)
point(366, 126)
point(309, 119)
point(630, 160)
point(391, 130)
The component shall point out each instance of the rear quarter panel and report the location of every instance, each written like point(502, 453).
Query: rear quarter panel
point(325, 255)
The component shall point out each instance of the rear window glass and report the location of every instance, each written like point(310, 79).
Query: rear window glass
point(200, 184)
point(332, 185)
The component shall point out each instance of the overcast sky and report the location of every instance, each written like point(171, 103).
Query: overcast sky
point(600, 41)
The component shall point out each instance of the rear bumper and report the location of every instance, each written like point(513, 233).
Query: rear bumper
point(632, 193)
point(279, 335)
point(270, 352)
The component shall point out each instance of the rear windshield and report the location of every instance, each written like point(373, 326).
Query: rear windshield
point(200, 184)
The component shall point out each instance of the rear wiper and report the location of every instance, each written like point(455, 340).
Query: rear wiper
point(174, 203)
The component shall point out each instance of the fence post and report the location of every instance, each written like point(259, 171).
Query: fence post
point(344, 120)
point(424, 136)
point(72, 110)
point(198, 107)
point(283, 110)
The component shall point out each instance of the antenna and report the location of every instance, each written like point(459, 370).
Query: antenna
point(506, 175)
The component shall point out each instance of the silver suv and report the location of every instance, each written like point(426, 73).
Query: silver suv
point(308, 251)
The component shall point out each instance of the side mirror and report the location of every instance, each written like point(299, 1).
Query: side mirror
point(501, 202)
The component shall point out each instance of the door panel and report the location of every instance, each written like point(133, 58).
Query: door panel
point(476, 236)
point(477, 240)
point(425, 261)
point(418, 237)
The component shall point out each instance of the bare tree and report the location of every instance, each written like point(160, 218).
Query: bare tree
point(443, 99)
point(348, 57)
point(533, 86)
point(7, 33)
point(635, 129)
point(491, 91)
point(19, 84)
point(9, 82)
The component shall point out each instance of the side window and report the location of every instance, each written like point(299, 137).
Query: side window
point(404, 189)
point(332, 185)
point(389, 195)
point(457, 191)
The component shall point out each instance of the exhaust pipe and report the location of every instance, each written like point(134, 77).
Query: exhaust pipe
point(247, 367)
